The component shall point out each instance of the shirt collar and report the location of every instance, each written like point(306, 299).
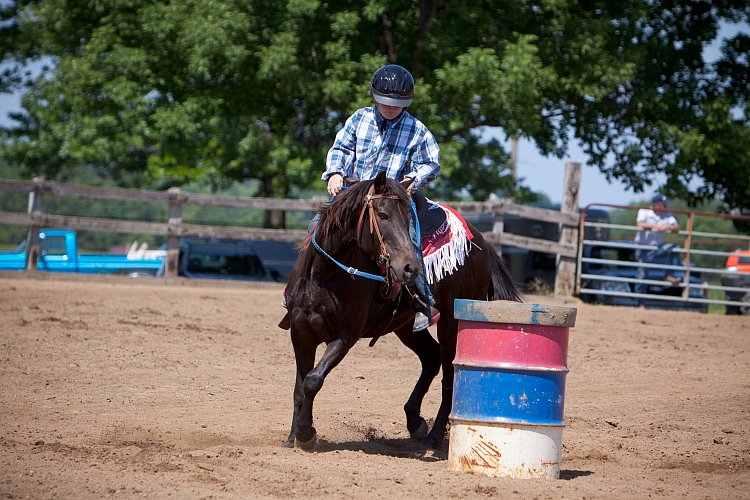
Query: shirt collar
point(382, 123)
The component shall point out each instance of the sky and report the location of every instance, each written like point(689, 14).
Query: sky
point(539, 173)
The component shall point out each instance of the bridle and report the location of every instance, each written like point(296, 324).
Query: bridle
point(384, 258)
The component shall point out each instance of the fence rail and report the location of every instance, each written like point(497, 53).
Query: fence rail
point(173, 229)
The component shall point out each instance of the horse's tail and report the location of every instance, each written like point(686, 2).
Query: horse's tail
point(502, 286)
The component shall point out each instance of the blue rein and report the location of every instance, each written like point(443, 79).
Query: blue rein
point(357, 272)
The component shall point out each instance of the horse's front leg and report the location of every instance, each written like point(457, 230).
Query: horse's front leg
point(428, 351)
point(312, 383)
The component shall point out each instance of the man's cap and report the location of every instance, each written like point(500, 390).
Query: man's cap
point(659, 198)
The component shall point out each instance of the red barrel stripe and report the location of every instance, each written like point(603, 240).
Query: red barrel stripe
point(499, 344)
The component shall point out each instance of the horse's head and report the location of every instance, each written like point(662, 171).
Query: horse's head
point(376, 215)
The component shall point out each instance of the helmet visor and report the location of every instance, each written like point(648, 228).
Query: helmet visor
point(392, 98)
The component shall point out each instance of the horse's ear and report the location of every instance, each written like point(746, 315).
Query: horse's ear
point(380, 180)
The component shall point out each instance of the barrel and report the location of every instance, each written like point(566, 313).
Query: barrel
point(509, 388)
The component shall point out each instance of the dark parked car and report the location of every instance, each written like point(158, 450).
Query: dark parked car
point(529, 267)
point(231, 259)
point(624, 251)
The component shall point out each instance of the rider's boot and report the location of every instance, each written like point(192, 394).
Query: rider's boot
point(426, 315)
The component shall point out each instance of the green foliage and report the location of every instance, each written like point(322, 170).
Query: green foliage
point(145, 93)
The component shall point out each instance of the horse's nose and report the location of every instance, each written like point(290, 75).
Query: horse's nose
point(410, 272)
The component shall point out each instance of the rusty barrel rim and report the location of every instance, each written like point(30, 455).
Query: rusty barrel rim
point(503, 423)
point(503, 311)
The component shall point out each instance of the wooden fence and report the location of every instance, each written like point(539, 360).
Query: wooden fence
point(173, 229)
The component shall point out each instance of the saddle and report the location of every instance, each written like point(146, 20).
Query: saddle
point(430, 216)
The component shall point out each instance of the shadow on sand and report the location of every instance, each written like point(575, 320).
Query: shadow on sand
point(402, 448)
point(410, 448)
point(567, 475)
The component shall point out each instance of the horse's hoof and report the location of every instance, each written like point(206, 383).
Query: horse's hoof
point(289, 443)
point(434, 440)
point(421, 432)
point(306, 445)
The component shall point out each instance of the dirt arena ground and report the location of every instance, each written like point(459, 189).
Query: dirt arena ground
point(138, 389)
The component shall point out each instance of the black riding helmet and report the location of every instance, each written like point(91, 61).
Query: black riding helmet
point(392, 85)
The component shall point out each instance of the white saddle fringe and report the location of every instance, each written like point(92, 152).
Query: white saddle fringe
point(450, 256)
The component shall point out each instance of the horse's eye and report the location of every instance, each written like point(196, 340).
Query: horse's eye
point(383, 215)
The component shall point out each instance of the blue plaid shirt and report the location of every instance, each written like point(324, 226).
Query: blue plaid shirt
point(368, 144)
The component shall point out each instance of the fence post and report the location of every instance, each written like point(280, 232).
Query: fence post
point(173, 238)
point(36, 206)
point(566, 266)
point(498, 223)
point(687, 243)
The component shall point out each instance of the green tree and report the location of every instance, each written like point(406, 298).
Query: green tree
point(216, 91)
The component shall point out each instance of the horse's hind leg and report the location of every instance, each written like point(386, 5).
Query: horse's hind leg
point(447, 328)
point(312, 383)
point(428, 352)
point(298, 398)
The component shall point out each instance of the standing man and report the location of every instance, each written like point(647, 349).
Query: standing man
point(653, 223)
point(386, 138)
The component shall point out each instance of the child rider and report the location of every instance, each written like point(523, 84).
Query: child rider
point(386, 138)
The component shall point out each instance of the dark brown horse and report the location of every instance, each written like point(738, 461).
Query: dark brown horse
point(334, 297)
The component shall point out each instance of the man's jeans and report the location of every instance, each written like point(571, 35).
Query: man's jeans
point(661, 255)
point(641, 256)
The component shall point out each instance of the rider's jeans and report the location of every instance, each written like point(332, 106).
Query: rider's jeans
point(423, 288)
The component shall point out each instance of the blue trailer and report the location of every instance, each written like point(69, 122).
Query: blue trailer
point(59, 254)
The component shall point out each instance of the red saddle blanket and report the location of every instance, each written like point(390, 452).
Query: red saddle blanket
point(445, 250)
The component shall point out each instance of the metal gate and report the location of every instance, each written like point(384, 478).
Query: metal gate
point(688, 272)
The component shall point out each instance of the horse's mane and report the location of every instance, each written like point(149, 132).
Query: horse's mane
point(338, 220)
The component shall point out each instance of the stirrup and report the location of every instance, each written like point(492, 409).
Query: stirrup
point(422, 322)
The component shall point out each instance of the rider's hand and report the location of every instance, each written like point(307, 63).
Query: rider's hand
point(335, 183)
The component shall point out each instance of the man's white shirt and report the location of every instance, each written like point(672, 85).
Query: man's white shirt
point(647, 237)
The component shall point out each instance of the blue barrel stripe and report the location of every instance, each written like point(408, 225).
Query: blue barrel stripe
point(507, 395)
